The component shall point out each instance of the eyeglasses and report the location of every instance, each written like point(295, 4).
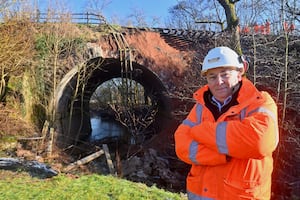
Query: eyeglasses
point(225, 75)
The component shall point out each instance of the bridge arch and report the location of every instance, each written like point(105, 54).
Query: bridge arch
point(71, 106)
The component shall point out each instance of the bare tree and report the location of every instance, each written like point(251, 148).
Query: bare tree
point(185, 13)
point(138, 18)
point(97, 6)
point(231, 15)
point(16, 51)
point(292, 9)
point(5, 5)
point(189, 13)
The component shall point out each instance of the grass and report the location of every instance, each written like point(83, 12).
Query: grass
point(19, 185)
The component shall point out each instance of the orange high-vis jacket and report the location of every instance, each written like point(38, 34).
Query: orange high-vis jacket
point(231, 157)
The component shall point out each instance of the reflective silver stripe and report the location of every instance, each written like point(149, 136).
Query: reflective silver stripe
point(193, 152)
point(221, 137)
point(194, 145)
point(192, 196)
point(188, 123)
point(198, 117)
point(273, 116)
point(243, 113)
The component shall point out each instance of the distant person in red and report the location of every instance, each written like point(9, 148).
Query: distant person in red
point(229, 135)
point(262, 29)
point(256, 28)
point(292, 27)
point(246, 30)
point(268, 28)
point(289, 28)
point(285, 26)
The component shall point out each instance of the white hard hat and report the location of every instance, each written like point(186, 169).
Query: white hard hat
point(221, 57)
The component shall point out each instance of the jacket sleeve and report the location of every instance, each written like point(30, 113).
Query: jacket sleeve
point(191, 151)
point(254, 136)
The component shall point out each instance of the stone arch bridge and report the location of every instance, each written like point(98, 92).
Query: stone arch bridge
point(155, 58)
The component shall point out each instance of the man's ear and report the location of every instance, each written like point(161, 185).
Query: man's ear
point(245, 61)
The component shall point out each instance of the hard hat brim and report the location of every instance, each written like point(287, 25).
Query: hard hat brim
point(204, 72)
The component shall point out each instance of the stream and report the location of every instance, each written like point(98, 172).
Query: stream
point(103, 128)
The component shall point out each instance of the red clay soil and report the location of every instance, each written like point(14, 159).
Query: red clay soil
point(150, 45)
point(149, 49)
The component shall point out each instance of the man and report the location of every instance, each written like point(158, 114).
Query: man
point(229, 135)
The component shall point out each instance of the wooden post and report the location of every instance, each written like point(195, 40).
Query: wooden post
point(44, 134)
point(108, 159)
point(50, 145)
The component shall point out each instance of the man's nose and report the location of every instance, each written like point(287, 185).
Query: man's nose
point(219, 79)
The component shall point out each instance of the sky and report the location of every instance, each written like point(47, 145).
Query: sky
point(120, 9)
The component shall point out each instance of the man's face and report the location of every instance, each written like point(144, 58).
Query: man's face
point(221, 81)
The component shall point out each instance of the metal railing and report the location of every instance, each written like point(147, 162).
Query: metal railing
point(78, 18)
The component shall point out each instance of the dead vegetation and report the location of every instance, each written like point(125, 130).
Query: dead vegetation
point(12, 123)
point(16, 51)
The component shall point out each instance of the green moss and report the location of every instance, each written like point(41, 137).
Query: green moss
point(7, 142)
